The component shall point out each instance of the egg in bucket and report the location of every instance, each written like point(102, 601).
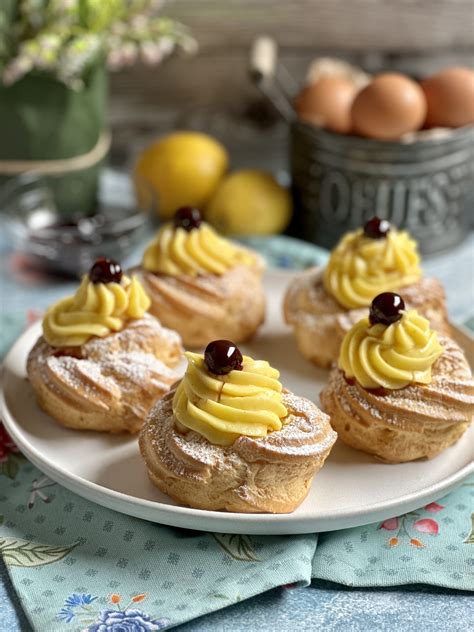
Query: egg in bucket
point(383, 161)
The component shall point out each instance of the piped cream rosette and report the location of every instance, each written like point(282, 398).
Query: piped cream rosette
point(96, 309)
point(223, 407)
point(392, 356)
point(201, 251)
point(360, 268)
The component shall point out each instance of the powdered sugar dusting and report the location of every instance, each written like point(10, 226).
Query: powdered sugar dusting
point(307, 432)
point(72, 371)
point(140, 330)
point(448, 399)
point(119, 372)
point(310, 306)
point(198, 448)
point(139, 367)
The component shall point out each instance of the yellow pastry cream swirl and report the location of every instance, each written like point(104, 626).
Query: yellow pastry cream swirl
point(224, 407)
point(201, 251)
point(360, 267)
point(96, 309)
point(392, 356)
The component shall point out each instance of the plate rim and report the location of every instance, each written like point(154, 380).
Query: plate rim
point(299, 524)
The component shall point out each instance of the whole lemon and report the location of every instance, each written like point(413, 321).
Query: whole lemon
point(184, 169)
point(249, 202)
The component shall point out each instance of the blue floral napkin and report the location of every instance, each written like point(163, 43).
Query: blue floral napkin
point(78, 566)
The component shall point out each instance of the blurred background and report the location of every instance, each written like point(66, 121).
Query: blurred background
point(417, 37)
point(89, 89)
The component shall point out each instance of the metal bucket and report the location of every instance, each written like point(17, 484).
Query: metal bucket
point(340, 181)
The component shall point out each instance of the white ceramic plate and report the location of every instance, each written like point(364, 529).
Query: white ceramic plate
point(352, 488)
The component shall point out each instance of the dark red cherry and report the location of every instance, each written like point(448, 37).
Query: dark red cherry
point(222, 357)
point(187, 217)
point(376, 228)
point(105, 271)
point(386, 308)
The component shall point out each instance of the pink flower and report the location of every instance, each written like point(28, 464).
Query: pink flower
point(391, 524)
point(151, 53)
point(3, 455)
point(6, 443)
point(114, 60)
point(427, 525)
point(433, 507)
point(32, 315)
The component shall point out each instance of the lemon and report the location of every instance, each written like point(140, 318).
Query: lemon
point(183, 168)
point(249, 202)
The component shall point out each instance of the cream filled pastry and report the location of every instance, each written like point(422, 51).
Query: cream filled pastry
point(102, 361)
point(401, 391)
point(368, 262)
point(230, 437)
point(324, 303)
point(201, 284)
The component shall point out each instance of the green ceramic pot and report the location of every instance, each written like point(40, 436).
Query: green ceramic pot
point(41, 119)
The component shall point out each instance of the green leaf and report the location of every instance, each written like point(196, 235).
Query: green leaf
point(470, 537)
point(17, 552)
point(83, 13)
point(239, 547)
point(212, 595)
point(10, 468)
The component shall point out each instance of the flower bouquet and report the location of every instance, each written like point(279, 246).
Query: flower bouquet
point(53, 60)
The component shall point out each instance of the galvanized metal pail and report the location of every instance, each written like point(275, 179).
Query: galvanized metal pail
point(339, 181)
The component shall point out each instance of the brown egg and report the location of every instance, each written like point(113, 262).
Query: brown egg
point(390, 106)
point(327, 103)
point(450, 98)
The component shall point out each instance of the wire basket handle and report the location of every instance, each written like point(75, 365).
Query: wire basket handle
point(270, 77)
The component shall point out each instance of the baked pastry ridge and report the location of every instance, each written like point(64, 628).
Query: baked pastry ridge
point(236, 441)
point(400, 391)
point(102, 360)
point(202, 285)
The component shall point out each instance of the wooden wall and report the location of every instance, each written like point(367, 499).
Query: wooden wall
point(212, 89)
point(355, 25)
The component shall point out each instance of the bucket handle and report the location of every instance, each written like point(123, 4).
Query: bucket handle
point(271, 78)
